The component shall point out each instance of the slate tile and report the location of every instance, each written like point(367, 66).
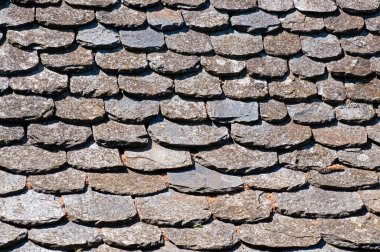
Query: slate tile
point(164, 19)
point(92, 3)
point(56, 134)
point(188, 42)
point(11, 134)
point(13, 15)
point(302, 22)
point(364, 158)
point(350, 66)
point(331, 90)
point(29, 246)
point(234, 5)
point(358, 6)
point(343, 23)
point(364, 44)
point(94, 157)
point(307, 68)
point(4, 83)
point(257, 21)
point(173, 209)
point(373, 131)
point(207, 20)
point(36, 2)
point(375, 64)
point(282, 44)
point(234, 158)
point(267, 67)
point(97, 36)
point(273, 111)
point(219, 66)
point(363, 91)
point(140, 3)
point(355, 113)
point(11, 235)
point(372, 23)
point(185, 135)
point(321, 46)
point(244, 207)
point(121, 16)
point(321, 247)
point(173, 63)
point(31, 209)
point(370, 199)
point(106, 248)
point(271, 136)
point(30, 159)
point(184, 4)
point(230, 111)
point(311, 113)
point(169, 247)
point(183, 109)
point(139, 235)
point(245, 88)
point(128, 183)
point(68, 236)
point(156, 157)
point(214, 236)
point(281, 232)
point(147, 39)
point(80, 110)
point(11, 183)
point(276, 5)
point(18, 61)
point(317, 6)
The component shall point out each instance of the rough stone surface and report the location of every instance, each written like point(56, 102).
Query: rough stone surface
point(282, 44)
point(4, 84)
point(207, 20)
point(292, 90)
point(234, 5)
point(351, 67)
point(343, 23)
point(121, 17)
point(188, 42)
point(164, 19)
point(372, 23)
point(173, 63)
point(307, 68)
point(18, 61)
point(220, 66)
point(373, 131)
point(97, 36)
point(231, 111)
point(365, 158)
point(365, 91)
point(299, 22)
point(273, 111)
point(11, 183)
point(355, 113)
point(363, 45)
point(267, 67)
point(245, 88)
point(184, 4)
point(321, 46)
point(311, 113)
point(11, 134)
point(331, 90)
point(318, 6)
point(12, 15)
point(257, 22)
point(30, 247)
point(198, 85)
point(140, 3)
point(11, 235)
point(147, 40)
point(359, 6)
point(92, 3)
point(371, 199)
point(183, 109)
point(375, 64)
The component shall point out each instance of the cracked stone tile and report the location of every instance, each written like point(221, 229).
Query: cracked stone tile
point(94, 157)
point(140, 3)
point(55, 134)
point(371, 200)
point(146, 85)
point(321, 46)
point(68, 236)
point(245, 88)
point(281, 232)
point(267, 67)
point(31, 209)
point(281, 179)
point(156, 157)
point(270, 136)
point(359, 232)
point(127, 183)
point(40, 38)
point(182, 135)
point(80, 110)
point(311, 156)
point(244, 207)
point(13, 15)
point(373, 131)
point(351, 67)
point(331, 90)
point(173, 209)
point(139, 236)
point(355, 113)
point(11, 134)
point(316, 202)
point(198, 85)
point(340, 136)
point(184, 4)
point(121, 16)
point(359, 6)
point(343, 23)
point(230, 111)
point(306, 68)
point(183, 109)
point(311, 113)
point(147, 39)
point(30, 159)
point(276, 5)
point(317, 6)
point(201, 180)
point(63, 16)
point(219, 66)
point(188, 42)
point(99, 209)
point(173, 63)
point(92, 3)
point(273, 111)
point(234, 5)
point(18, 61)
point(234, 158)
point(257, 21)
point(302, 23)
point(97, 36)
point(11, 235)
point(164, 19)
point(364, 44)
point(41, 82)
point(364, 158)
point(282, 44)
point(11, 183)
point(372, 23)
point(208, 20)
point(363, 91)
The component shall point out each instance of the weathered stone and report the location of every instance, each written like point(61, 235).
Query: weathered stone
point(273, 111)
point(119, 60)
point(231, 111)
point(94, 157)
point(121, 17)
point(12, 15)
point(207, 20)
point(312, 156)
point(198, 85)
point(307, 68)
point(364, 45)
point(214, 236)
point(220, 66)
point(351, 67)
point(63, 15)
point(147, 84)
point(73, 60)
point(173, 209)
point(201, 180)
point(164, 19)
point(276, 5)
point(130, 183)
point(299, 22)
point(282, 44)
point(113, 134)
point(18, 61)
point(173, 63)
point(331, 90)
point(373, 131)
point(316, 202)
point(371, 199)
point(94, 83)
point(365, 158)
point(183, 109)
point(139, 235)
point(375, 64)
point(359, 6)
point(188, 42)
point(97, 36)
point(236, 44)
point(267, 67)
point(342, 23)
point(311, 113)
point(69, 236)
point(282, 232)
point(372, 23)
point(29, 247)
point(318, 6)
point(233, 158)
point(11, 134)
point(31, 209)
point(125, 109)
point(156, 157)
point(140, 3)
point(355, 113)
point(82, 110)
point(293, 90)
point(52, 134)
point(322, 46)
point(4, 84)
point(106, 248)
point(11, 235)
point(340, 136)
point(29, 159)
point(92, 3)
point(147, 40)
point(234, 5)
point(11, 183)
point(279, 180)
point(99, 209)
point(67, 181)
point(247, 206)
point(184, 4)
point(41, 82)
point(245, 88)
point(181, 134)
point(363, 91)
point(36, 2)
point(257, 21)
point(354, 232)
point(346, 178)
point(40, 38)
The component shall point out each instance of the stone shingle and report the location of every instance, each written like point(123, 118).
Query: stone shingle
point(359, 6)
point(173, 63)
point(363, 45)
point(355, 113)
point(363, 90)
point(273, 111)
point(245, 88)
point(140, 3)
point(234, 5)
point(343, 23)
point(311, 113)
point(147, 40)
point(121, 16)
point(317, 6)
point(219, 66)
point(373, 131)
point(257, 21)
point(207, 20)
point(13, 15)
point(164, 19)
point(11, 134)
point(97, 36)
point(183, 109)
point(188, 42)
point(11, 235)
point(282, 44)
point(365, 158)
point(301, 22)
point(292, 90)
point(92, 3)
point(11, 183)
point(306, 68)
point(19, 61)
point(267, 67)
point(331, 90)
point(351, 67)
point(370, 199)
point(230, 111)
point(321, 46)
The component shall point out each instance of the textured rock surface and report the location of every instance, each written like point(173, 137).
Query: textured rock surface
point(373, 131)
point(183, 109)
point(144, 40)
point(11, 183)
point(307, 68)
point(319, 6)
point(189, 42)
point(234, 5)
point(363, 91)
point(311, 113)
point(350, 67)
point(299, 22)
point(273, 111)
point(97, 36)
point(220, 66)
point(80, 110)
point(292, 89)
point(355, 113)
point(19, 61)
point(342, 23)
point(11, 134)
point(11, 235)
point(267, 67)
point(282, 44)
point(164, 19)
point(228, 110)
point(206, 20)
point(198, 85)
point(121, 17)
point(245, 88)
point(173, 63)
point(366, 158)
point(257, 21)
point(331, 90)
point(321, 46)
point(371, 199)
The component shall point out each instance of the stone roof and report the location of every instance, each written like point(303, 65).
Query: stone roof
point(178, 125)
